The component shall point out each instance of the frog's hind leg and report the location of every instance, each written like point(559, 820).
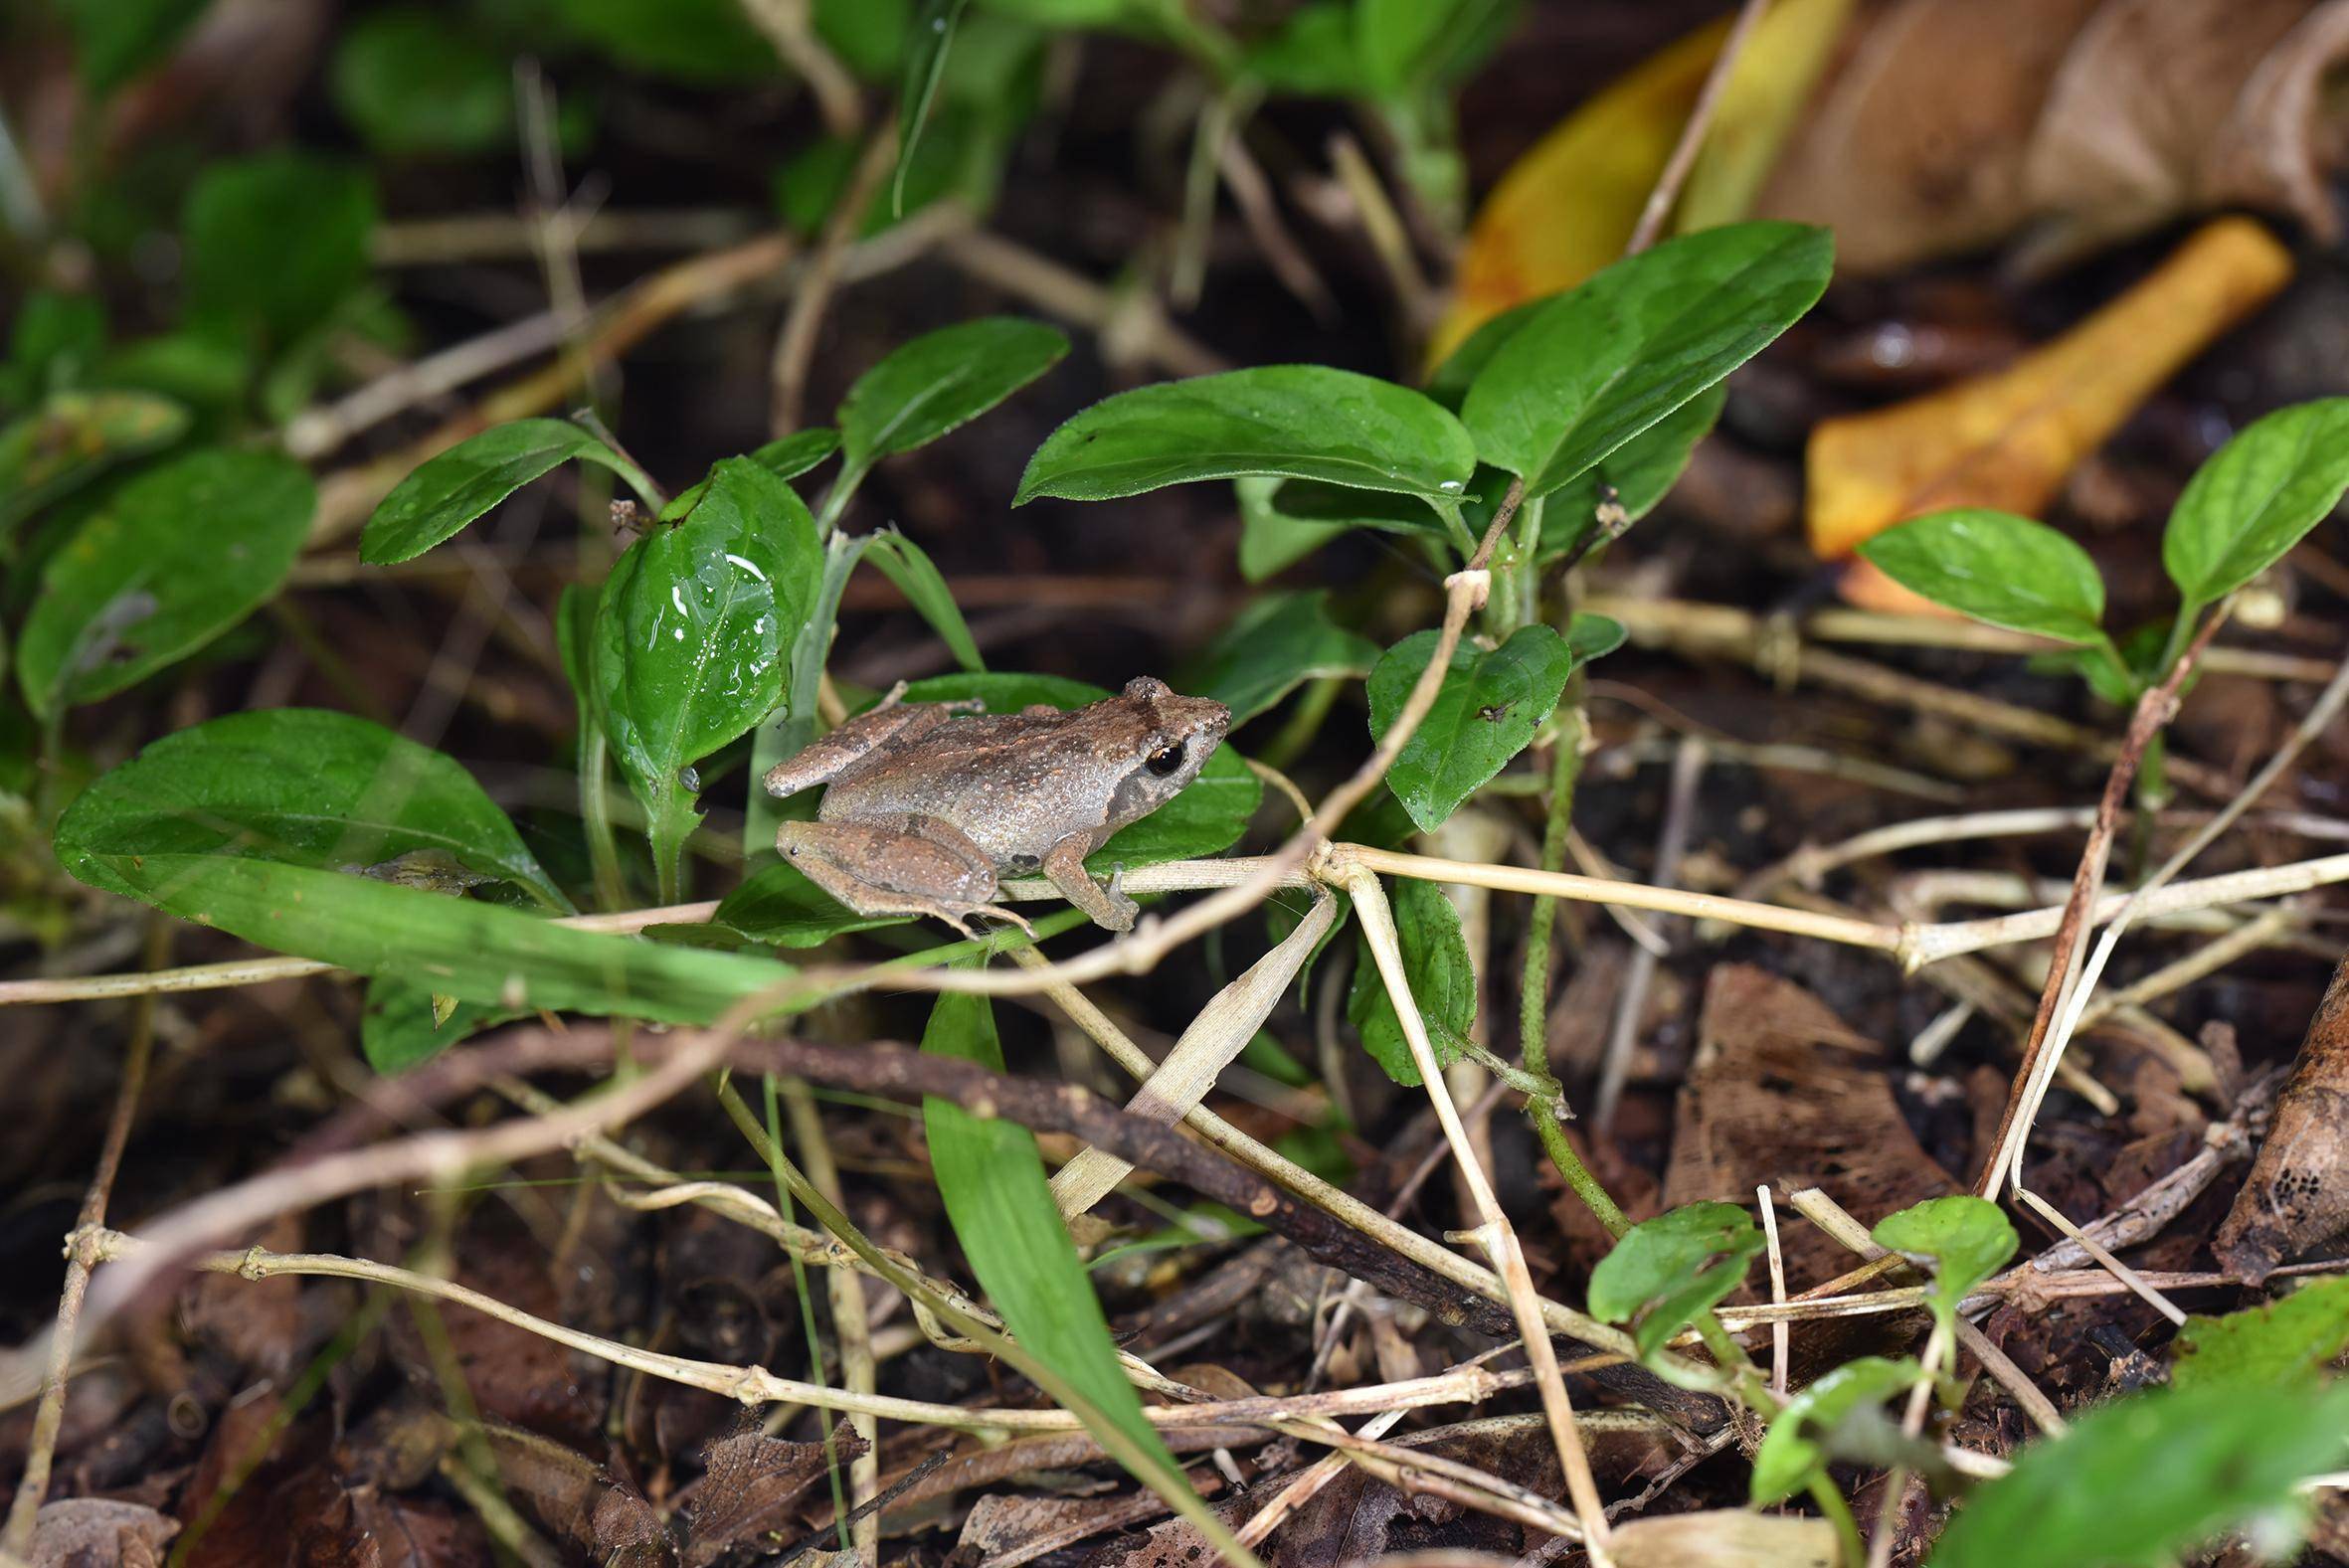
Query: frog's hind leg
point(829, 756)
point(899, 865)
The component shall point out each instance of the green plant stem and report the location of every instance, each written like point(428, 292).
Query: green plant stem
point(1303, 723)
point(1839, 1514)
point(1565, 768)
point(1463, 536)
point(595, 810)
point(769, 1102)
point(836, 500)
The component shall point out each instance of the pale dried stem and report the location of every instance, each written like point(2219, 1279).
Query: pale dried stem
point(1781, 1336)
point(795, 345)
point(1671, 841)
point(1692, 135)
point(791, 27)
point(1500, 1240)
point(845, 1291)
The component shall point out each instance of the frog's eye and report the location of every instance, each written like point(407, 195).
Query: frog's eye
point(1165, 760)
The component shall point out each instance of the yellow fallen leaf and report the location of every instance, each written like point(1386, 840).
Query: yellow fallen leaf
point(1568, 206)
point(1767, 90)
point(2006, 440)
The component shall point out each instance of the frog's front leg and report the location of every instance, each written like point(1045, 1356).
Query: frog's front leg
point(1064, 864)
point(898, 865)
point(892, 723)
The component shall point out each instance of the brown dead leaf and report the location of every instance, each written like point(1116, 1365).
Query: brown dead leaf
point(1004, 1532)
point(1725, 1538)
point(2297, 1194)
point(96, 1532)
point(1953, 124)
point(1782, 1092)
point(2006, 440)
point(578, 1500)
point(747, 1488)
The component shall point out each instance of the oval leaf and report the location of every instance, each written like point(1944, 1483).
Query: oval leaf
point(691, 633)
point(1443, 983)
point(1486, 711)
point(1301, 422)
point(302, 786)
point(1794, 1450)
point(173, 558)
point(1667, 1270)
point(939, 380)
point(1967, 1239)
point(2286, 1344)
point(2256, 499)
point(449, 491)
point(1592, 368)
point(1999, 567)
point(1278, 644)
point(71, 439)
point(2141, 1480)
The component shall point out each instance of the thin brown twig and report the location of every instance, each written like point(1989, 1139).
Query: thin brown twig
point(795, 345)
point(82, 1256)
point(1692, 136)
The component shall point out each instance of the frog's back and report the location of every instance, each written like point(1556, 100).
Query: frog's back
point(1015, 783)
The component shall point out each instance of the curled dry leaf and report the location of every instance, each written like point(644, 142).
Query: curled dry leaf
point(97, 1532)
point(1953, 123)
point(2006, 440)
point(749, 1486)
point(2297, 1195)
point(1725, 1538)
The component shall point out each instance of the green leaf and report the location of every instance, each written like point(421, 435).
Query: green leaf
point(1205, 819)
point(171, 560)
point(692, 632)
point(1999, 567)
point(933, 40)
point(2286, 1343)
point(444, 493)
point(1311, 55)
point(58, 340)
point(1595, 366)
point(777, 904)
point(413, 84)
point(1398, 40)
point(710, 41)
point(873, 38)
point(2256, 499)
point(116, 40)
point(275, 242)
point(1000, 1205)
point(2146, 1477)
point(1591, 637)
point(1641, 472)
point(1666, 1271)
point(939, 380)
point(1442, 976)
point(1272, 541)
point(1966, 1239)
point(453, 947)
point(299, 785)
point(1277, 642)
point(1319, 501)
point(1304, 422)
point(400, 1025)
point(71, 439)
point(1796, 1449)
point(797, 453)
point(1486, 712)
point(908, 566)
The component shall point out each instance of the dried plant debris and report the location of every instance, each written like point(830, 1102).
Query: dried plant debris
point(96, 1532)
point(742, 1504)
point(1783, 1092)
point(2297, 1197)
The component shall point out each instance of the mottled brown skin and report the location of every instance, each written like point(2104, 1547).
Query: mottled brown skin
point(926, 802)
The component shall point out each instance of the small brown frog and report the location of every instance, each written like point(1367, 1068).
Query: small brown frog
point(923, 807)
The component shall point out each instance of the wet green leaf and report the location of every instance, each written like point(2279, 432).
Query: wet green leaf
point(1666, 1271)
point(174, 558)
point(2256, 499)
point(1303, 422)
point(300, 786)
point(448, 491)
point(1486, 712)
point(1593, 367)
point(1442, 977)
point(1996, 567)
point(1277, 642)
point(691, 636)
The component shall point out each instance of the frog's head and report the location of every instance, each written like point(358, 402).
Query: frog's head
point(1170, 737)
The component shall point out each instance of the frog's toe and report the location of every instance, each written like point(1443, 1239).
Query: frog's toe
point(1007, 915)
